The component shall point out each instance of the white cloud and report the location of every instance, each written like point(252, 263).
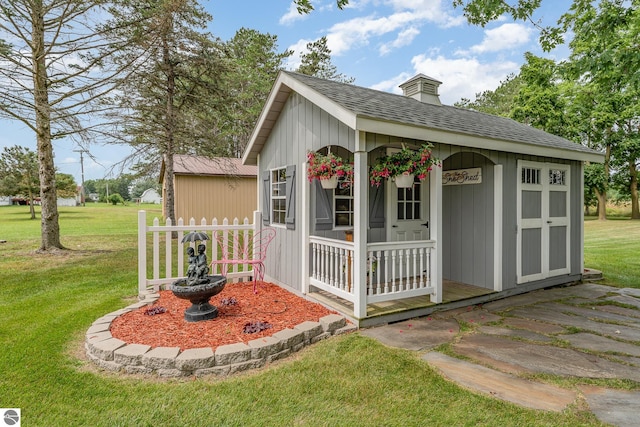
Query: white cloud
point(460, 77)
point(404, 23)
point(405, 37)
point(293, 62)
point(292, 16)
point(504, 37)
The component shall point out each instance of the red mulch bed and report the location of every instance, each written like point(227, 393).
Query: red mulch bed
point(272, 304)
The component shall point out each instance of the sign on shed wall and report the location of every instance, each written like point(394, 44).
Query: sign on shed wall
point(462, 176)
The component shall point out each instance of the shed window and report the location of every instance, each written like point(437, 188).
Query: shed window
point(409, 202)
point(557, 176)
point(530, 176)
point(343, 205)
point(278, 196)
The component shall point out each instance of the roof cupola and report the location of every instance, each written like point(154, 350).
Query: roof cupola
point(423, 88)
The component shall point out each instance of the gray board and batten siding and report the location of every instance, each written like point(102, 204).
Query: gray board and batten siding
point(302, 127)
point(293, 124)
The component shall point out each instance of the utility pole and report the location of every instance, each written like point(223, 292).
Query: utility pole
point(82, 195)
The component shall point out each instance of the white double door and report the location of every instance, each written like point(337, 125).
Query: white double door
point(543, 220)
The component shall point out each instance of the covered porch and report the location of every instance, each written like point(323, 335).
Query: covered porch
point(364, 274)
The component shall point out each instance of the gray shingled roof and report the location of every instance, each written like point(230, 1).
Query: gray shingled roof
point(401, 109)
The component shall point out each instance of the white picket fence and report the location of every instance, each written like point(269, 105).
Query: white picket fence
point(167, 254)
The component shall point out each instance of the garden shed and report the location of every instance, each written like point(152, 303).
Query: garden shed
point(210, 188)
point(150, 195)
point(500, 215)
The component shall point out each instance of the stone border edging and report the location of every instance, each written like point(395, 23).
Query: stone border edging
point(112, 354)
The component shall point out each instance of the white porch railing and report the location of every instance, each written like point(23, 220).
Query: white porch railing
point(399, 270)
point(331, 266)
point(164, 269)
point(395, 270)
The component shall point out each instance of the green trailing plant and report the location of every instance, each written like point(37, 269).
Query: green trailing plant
point(321, 166)
point(406, 161)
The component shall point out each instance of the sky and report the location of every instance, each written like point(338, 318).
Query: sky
point(380, 43)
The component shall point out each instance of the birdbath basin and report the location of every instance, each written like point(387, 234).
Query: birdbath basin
point(199, 295)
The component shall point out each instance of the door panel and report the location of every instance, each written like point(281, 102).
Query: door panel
point(543, 220)
point(408, 215)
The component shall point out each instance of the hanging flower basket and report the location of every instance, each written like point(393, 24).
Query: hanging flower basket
point(405, 180)
point(329, 183)
point(330, 169)
point(406, 161)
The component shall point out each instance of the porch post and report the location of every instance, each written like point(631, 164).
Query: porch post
point(497, 227)
point(360, 221)
point(304, 227)
point(435, 202)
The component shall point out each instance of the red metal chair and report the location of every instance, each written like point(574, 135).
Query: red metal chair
point(235, 250)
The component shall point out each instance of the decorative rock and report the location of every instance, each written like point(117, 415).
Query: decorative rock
point(289, 337)
point(332, 322)
point(245, 366)
point(320, 337)
point(140, 369)
point(216, 370)
point(108, 365)
point(195, 358)
point(104, 319)
point(115, 355)
point(310, 329)
point(161, 357)
point(261, 348)
point(104, 349)
point(171, 373)
point(94, 329)
point(232, 353)
point(281, 355)
point(130, 354)
point(99, 336)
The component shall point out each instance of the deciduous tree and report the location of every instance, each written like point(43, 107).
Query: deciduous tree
point(19, 174)
point(51, 72)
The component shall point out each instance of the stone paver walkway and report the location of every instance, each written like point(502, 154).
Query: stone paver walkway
point(585, 331)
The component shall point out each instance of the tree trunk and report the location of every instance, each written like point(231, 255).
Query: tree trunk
point(633, 187)
point(169, 131)
point(47, 173)
point(602, 195)
point(32, 210)
point(602, 205)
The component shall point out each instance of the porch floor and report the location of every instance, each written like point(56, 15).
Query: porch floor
point(384, 312)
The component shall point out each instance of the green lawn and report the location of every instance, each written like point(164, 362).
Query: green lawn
point(613, 246)
point(47, 302)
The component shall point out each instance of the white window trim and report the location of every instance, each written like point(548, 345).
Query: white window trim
point(281, 197)
point(335, 210)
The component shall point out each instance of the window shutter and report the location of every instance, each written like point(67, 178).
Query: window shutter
point(290, 217)
point(266, 197)
point(324, 207)
point(376, 206)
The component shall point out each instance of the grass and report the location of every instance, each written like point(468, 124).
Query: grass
point(612, 247)
point(47, 302)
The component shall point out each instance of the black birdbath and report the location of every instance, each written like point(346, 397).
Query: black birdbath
point(198, 287)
